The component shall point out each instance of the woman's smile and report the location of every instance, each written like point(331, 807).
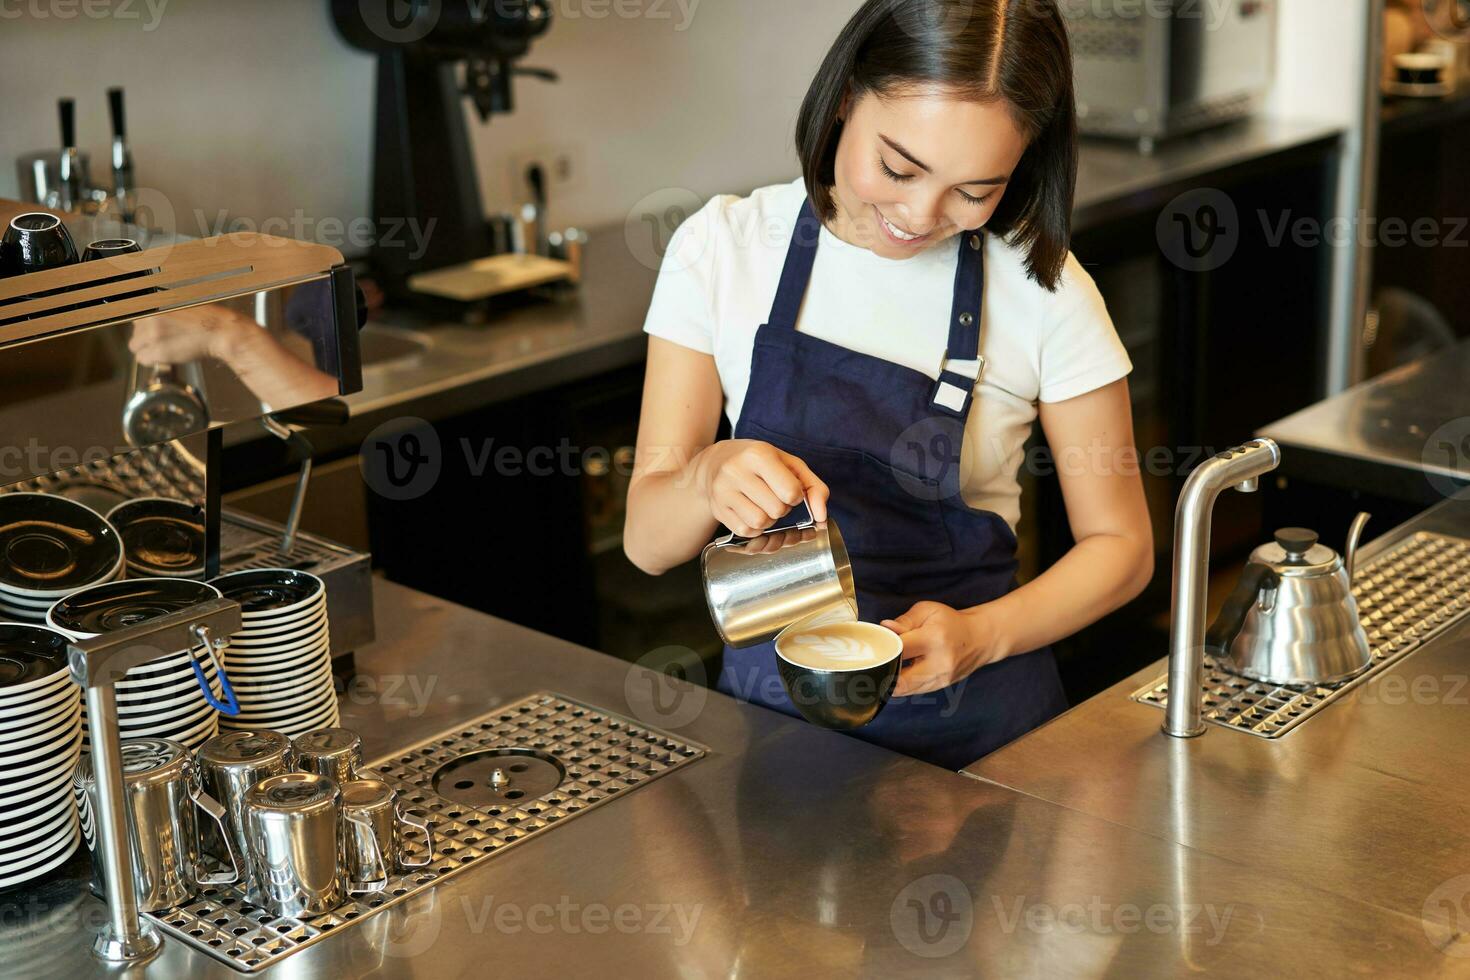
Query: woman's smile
point(899, 235)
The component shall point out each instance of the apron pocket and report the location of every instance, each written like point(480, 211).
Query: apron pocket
point(881, 512)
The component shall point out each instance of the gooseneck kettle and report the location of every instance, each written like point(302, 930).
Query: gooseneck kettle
point(1292, 618)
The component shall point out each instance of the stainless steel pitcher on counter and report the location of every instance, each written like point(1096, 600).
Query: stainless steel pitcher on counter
point(162, 790)
point(758, 586)
point(1292, 618)
point(294, 822)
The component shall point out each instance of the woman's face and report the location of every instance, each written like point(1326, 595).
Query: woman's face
point(920, 165)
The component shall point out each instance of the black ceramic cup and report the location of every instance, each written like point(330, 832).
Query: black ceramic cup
point(35, 241)
point(107, 247)
point(840, 699)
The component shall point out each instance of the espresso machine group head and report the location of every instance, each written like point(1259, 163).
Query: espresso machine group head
point(424, 177)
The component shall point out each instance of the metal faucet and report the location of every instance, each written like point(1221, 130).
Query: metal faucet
point(96, 665)
point(1242, 468)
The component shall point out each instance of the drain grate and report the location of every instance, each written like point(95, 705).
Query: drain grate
point(1405, 596)
point(603, 757)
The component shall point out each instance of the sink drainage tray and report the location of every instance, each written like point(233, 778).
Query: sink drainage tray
point(1407, 595)
point(484, 786)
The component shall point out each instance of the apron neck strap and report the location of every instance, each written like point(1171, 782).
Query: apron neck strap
point(963, 364)
point(801, 254)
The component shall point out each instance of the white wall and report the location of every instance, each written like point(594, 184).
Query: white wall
point(1318, 68)
point(259, 108)
point(1320, 72)
point(256, 107)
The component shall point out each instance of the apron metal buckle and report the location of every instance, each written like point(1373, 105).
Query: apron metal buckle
point(957, 380)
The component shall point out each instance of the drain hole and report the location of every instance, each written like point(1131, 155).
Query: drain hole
point(519, 767)
point(514, 794)
point(464, 784)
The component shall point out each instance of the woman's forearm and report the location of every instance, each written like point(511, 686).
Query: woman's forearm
point(668, 519)
point(1099, 574)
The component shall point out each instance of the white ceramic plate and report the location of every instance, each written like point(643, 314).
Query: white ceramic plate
point(290, 695)
point(246, 667)
point(23, 715)
point(16, 816)
point(253, 685)
point(281, 695)
point(160, 727)
point(201, 733)
point(20, 794)
point(22, 601)
point(168, 699)
point(325, 717)
point(265, 631)
point(35, 838)
point(40, 860)
point(16, 595)
point(302, 641)
point(319, 595)
point(32, 690)
point(37, 742)
point(269, 717)
point(16, 828)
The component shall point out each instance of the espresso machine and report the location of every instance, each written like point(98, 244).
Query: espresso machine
point(117, 382)
point(423, 168)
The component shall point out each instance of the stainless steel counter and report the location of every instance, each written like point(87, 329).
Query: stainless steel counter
point(789, 851)
point(1413, 420)
point(1115, 181)
point(1367, 800)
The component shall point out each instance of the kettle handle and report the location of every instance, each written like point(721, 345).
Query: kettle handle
point(1350, 553)
point(1227, 625)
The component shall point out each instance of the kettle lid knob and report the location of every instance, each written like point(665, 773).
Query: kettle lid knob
point(1296, 541)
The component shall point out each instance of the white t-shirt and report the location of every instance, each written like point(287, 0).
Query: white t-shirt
point(719, 278)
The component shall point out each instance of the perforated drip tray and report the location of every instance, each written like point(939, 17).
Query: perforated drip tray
point(1405, 596)
point(485, 786)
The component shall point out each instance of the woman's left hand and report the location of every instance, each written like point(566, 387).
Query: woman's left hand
point(941, 645)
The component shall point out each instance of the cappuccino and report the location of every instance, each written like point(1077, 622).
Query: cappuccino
point(840, 646)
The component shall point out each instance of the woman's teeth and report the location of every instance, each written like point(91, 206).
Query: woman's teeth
point(897, 232)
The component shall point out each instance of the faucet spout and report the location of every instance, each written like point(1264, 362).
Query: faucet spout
point(1240, 467)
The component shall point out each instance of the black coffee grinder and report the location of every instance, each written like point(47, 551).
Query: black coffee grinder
point(426, 197)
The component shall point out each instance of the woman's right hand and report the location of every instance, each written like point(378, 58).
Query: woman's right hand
point(750, 485)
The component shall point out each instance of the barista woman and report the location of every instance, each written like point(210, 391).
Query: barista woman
point(882, 335)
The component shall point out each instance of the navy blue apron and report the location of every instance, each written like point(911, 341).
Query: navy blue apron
point(887, 439)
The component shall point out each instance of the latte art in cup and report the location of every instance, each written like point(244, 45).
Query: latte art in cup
point(840, 646)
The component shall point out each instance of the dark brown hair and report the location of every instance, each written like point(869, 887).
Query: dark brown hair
point(1011, 51)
